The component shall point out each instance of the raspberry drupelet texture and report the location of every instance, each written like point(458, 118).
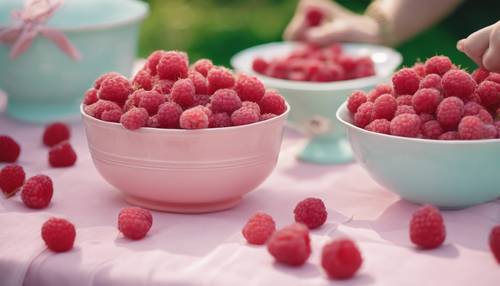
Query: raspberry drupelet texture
point(485, 116)
point(151, 100)
point(405, 81)
point(55, 133)
point(427, 229)
point(449, 112)
point(218, 120)
point(90, 96)
point(341, 259)
point(471, 128)
point(489, 93)
point(153, 60)
point(404, 99)
point(480, 74)
point(37, 192)
point(272, 102)
point(142, 80)
point(58, 234)
point(426, 100)
point(169, 114)
point(382, 126)
point(203, 66)
point(163, 86)
point(419, 69)
point(194, 118)
point(135, 118)
point(225, 100)
point(431, 81)
point(11, 179)
point(134, 222)
point(432, 129)
point(218, 78)
point(494, 242)
point(290, 245)
point(113, 115)
point(201, 99)
point(243, 116)
point(266, 116)
point(402, 109)
point(259, 228)
point(251, 105)
point(450, 135)
point(199, 81)
point(116, 89)
point(438, 65)
point(364, 115)
point(379, 90)
point(472, 108)
point(183, 92)
point(384, 107)
point(260, 65)
point(96, 109)
point(495, 77)
point(172, 65)
point(9, 149)
point(153, 122)
point(62, 155)
point(355, 100)
point(458, 83)
point(406, 125)
point(424, 117)
point(249, 88)
point(311, 212)
point(102, 78)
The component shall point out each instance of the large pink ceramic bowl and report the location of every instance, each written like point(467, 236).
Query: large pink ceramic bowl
point(186, 171)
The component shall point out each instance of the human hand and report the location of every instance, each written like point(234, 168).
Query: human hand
point(483, 47)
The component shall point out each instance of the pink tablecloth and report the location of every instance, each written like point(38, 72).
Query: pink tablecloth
point(208, 249)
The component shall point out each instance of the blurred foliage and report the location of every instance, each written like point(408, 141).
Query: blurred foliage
point(217, 29)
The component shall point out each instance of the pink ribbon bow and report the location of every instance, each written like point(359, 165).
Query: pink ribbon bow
point(30, 21)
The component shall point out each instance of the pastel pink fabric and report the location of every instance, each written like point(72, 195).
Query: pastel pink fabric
point(209, 249)
point(29, 22)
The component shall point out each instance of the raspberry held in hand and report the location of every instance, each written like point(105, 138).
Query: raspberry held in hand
point(194, 118)
point(55, 133)
point(259, 228)
point(11, 179)
point(311, 212)
point(9, 149)
point(341, 259)
point(58, 234)
point(314, 16)
point(134, 222)
point(427, 228)
point(37, 192)
point(494, 242)
point(62, 155)
point(290, 245)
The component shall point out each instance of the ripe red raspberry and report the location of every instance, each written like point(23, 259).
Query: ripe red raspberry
point(402, 109)
point(379, 90)
point(201, 99)
point(355, 100)
point(472, 108)
point(426, 100)
point(55, 133)
point(199, 81)
point(134, 222)
point(37, 192)
point(379, 126)
point(419, 69)
point(153, 122)
point(169, 114)
point(62, 155)
point(90, 96)
point(203, 66)
point(432, 129)
point(58, 234)
point(266, 116)
point(364, 115)
point(272, 102)
point(450, 135)
point(113, 115)
point(405, 81)
point(135, 118)
point(438, 65)
point(97, 109)
point(485, 116)
point(153, 60)
point(341, 259)
point(480, 74)
point(314, 16)
point(194, 118)
point(249, 88)
point(490, 131)
point(251, 105)
point(225, 100)
point(9, 149)
point(489, 93)
point(290, 245)
point(102, 78)
point(116, 89)
point(364, 68)
point(449, 112)
point(494, 242)
point(424, 117)
point(221, 119)
point(183, 92)
point(244, 116)
point(384, 107)
point(11, 179)
point(427, 228)
point(172, 65)
point(431, 81)
point(330, 72)
point(219, 78)
point(260, 65)
point(163, 86)
point(458, 83)
point(495, 77)
point(404, 99)
point(151, 100)
point(471, 128)
point(259, 228)
point(311, 212)
point(142, 80)
point(406, 125)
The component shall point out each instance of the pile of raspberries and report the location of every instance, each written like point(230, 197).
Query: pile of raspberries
point(432, 100)
point(168, 93)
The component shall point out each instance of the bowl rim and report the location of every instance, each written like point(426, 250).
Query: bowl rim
point(319, 86)
point(343, 109)
point(186, 131)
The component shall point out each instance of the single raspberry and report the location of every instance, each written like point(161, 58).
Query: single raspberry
point(272, 102)
point(97, 109)
point(259, 228)
point(290, 245)
point(201, 99)
point(489, 93)
point(402, 109)
point(11, 179)
point(199, 81)
point(260, 65)
point(90, 96)
point(219, 78)
point(251, 105)
point(314, 16)
point(426, 100)
point(382, 126)
point(249, 88)
point(427, 228)
point(151, 100)
point(135, 118)
point(311, 212)
point(495, 77)
point(163, 86)
point(203, 66)
point(221, 119)
point(62, 155)
point(432, 129)
point(424, 117)
point(153, 60)
point(172, 65)
point(419, 69)
point(183, 92)
point(355, 100)
point(244, 116)
point(341, 259)
point(266, 116)
point(431, 81)
point(405, 81)
point(490, 131)
point(55, 133)
point(406, 125)
point(113, 115)
point(225, 100)
point(485, 116)
point(438, 65)
point(449, 112)
point(142, 80)
point(458, 83)
point(9, 149)
point(153, 122)
point(58, 234)
point(471, 128)
point(194, 118)
point(134, 222)
point(169, 114)
point(37, 192)
point(379, 90)
point(364, 115)
point(384, 107)
point(450, 135)
point(404, 99)
point(472, 108)
point(480, 74)
point(494, 242)
point(102, 78)
point(116, 89)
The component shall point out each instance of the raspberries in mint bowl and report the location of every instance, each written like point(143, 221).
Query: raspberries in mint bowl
point(441, 146)
point(184, 137)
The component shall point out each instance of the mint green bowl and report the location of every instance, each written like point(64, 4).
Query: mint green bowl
point(447, 174)
point(44, 84)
